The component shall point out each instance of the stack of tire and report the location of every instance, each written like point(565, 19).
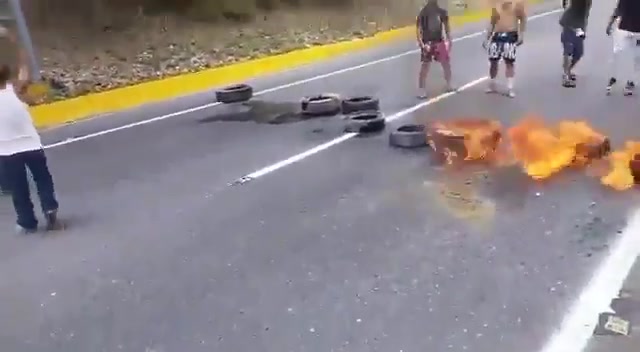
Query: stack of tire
point(322, 105)
point(362, 115)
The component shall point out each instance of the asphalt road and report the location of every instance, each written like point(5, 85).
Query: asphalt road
point(359, 247)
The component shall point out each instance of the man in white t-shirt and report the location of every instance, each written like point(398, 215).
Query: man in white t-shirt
point(626, 40)
point(21, 148)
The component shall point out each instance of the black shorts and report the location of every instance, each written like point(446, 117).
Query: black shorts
point(503, 45)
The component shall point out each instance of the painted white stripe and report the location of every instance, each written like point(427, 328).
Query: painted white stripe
point(578, 325)
point(345, 137)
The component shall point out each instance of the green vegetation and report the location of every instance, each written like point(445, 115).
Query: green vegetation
point(95, 45)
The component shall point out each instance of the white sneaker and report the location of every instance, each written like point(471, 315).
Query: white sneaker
point(24, 231)
point(511, 93)
point(491, 88)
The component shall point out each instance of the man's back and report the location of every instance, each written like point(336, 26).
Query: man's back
point(576, 15)
point(17, 132)
point(431, 20)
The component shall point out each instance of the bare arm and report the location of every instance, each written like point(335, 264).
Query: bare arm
point(521, 14)
point(21, 81)
point(447, 26)
point(614, 16)
point(586, 15)
point(492, 23)
point(419, 32)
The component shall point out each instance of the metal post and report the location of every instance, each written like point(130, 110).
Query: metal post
point(25, 38)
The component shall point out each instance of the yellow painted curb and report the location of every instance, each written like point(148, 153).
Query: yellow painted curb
point(48, 115)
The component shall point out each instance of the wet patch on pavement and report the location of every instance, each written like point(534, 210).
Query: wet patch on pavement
point(260, 111)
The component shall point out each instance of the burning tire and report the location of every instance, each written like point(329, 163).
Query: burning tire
point(595, 150)
point(471, 140)
point(357, 104)
point(365, 122)
point(409, 136)
point(447, 146)
point(320, 105)
point(237, 93)
point(634, 166)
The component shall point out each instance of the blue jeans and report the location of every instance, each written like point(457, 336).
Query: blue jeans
point(572, 44)
point(4, 182)
point(15, 168)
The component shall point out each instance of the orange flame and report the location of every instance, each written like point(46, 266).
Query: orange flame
point(620, 176)
point(540, 151)
point(544, 151)
point(481, 136)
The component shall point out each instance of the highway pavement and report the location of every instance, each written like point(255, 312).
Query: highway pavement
point(352, 246)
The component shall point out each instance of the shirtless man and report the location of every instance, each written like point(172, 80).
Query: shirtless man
point(506, 33)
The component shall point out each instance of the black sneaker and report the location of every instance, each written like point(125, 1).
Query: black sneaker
point(629, 88)
point(573, 77)
point(568, 82)
point(53, 223)
point(612, 82)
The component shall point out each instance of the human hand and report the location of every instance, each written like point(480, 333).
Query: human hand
point(6, 33)
point(609, 29)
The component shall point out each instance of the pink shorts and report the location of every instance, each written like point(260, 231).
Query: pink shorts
point(437, 51)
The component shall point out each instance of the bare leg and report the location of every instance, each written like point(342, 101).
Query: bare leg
point(446, 69)
point(422, 78)
point(510, 72)
point(566, 64)
point(493, 74)
point(614, 64)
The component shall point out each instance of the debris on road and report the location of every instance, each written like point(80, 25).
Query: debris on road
point(610, 324)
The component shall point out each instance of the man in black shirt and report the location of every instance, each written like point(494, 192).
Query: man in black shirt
point(626, 38)
point(434, 38)
point(574, 25)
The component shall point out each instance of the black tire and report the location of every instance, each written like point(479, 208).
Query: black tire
point(409, 136)
point(320, 105)
point(237, 93)
point(357, 104)
point(365, 122)
point(634, 166)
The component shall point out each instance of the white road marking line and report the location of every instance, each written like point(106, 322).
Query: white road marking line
point(281, 87)
point(345, 137)
point(578, 325)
